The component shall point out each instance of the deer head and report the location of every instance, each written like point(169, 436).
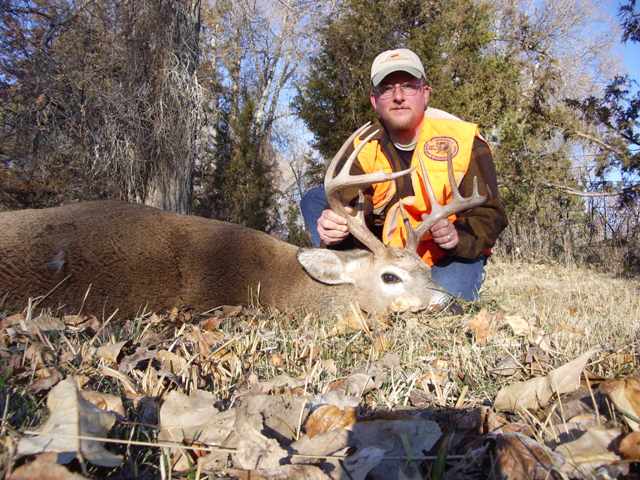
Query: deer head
point(384, 278)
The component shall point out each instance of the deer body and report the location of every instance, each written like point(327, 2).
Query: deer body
point(132, 256)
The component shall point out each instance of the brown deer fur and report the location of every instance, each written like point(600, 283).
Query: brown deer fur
point(133, 256)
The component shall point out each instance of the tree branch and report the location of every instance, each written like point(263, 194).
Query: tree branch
point(580, 193)
point(599, 142)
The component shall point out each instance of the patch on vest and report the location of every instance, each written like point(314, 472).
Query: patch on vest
point(438, 148)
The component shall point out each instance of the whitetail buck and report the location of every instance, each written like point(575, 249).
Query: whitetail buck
point(131, 256)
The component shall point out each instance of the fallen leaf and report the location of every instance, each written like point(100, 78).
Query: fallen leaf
point(39, 356)
point(329, 417)
point(130, 362)
point(352, 320)
point(362, 462)
point(211, 324)
point(171, 362)
point(518, 456)
point(400, 439)
point(253, 450)
point(104, 401)
point(625, 395)
point(483, 326)
point(593, 449)
point(193, 417)
point(519, 325)
point(437, 375)
point(630, 446)
point(276, 360)
point(190, 418)
point(507, 367)
point(72, 416)
point(285, 472)
point(44, 470)
point(48, 378)
point(127, 384)
point(44, 322)
point(110, 351)
point(336, 398)
point(536, 393)
point(280, 414)
point(356, 384)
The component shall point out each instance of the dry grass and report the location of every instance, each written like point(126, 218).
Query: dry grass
point(435, 362)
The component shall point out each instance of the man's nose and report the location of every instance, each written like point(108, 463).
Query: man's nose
point(398, 94)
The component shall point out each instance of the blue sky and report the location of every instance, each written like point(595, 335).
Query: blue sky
point(629, 51)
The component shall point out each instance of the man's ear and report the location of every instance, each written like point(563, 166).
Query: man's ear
point(427, 96)
point(331, 266)
point(372, 99)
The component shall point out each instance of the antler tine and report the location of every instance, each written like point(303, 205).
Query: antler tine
point(334, 184)
point(412, 237)
point(439, 211)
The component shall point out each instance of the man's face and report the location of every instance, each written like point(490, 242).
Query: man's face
point(399, 111)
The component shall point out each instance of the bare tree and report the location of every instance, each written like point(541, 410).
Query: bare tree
point(252, 52)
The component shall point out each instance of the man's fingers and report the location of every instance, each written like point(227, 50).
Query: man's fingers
point(332, 216)
point(332, 228)
point(329, 225)
point(439, 226)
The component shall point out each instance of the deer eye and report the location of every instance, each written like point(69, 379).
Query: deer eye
point(390, 278)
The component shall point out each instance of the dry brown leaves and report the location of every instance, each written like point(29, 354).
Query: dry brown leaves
point(44, 468)
point(72, 418)
point(625, 395)
point(536, 393)
point(218, 393)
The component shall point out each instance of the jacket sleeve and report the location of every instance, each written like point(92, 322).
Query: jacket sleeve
point(479, 227)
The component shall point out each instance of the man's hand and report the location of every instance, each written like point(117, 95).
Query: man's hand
point(332, 228)
point(445, 234)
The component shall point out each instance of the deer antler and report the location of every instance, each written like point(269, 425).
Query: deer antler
point(439, 211)
point(334, 184)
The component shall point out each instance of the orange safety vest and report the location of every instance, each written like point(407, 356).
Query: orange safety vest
point(439, 133)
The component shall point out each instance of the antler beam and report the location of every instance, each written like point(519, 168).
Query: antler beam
point(334, 183)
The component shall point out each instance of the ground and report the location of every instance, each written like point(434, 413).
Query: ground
point(537, 380)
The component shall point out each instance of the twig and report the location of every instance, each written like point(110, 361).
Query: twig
point(580, 193)
point(102, 327)
point(597, 141)
point(205, 447)
point(5, 414)
point(593, 398)
point(217, 448)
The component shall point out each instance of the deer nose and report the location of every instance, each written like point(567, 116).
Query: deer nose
point(438, 301)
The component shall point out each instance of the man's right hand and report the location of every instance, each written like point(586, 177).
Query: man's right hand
point(332, 228)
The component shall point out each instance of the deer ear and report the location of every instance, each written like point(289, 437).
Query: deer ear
point(330, 266)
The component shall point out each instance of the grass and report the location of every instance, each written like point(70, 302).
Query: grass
point(437, 363)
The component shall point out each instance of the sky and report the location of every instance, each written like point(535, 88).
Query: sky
point(629, 51)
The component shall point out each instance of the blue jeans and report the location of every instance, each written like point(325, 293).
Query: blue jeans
point(460, 277)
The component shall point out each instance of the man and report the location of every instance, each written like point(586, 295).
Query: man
point(456, 248)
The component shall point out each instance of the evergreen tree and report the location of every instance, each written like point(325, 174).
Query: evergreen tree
point(472, 75)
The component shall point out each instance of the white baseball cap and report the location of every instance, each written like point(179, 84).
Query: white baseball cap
point(391, 61)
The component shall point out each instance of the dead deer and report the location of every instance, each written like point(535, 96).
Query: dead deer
point(108, 254)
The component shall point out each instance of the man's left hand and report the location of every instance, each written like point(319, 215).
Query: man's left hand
point(445, 234)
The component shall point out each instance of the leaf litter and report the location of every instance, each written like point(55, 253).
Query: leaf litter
point(232, 395)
